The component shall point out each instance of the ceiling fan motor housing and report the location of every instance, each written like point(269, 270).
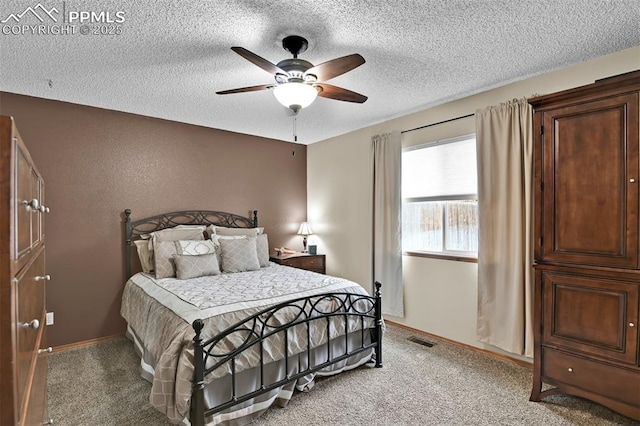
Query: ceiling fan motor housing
point(295, 69)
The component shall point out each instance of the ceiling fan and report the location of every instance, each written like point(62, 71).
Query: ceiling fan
point(298, 82)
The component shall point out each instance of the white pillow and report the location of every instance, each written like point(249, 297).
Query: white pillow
point(180, 232)
point(146, 256)
point(262, 250)
point(222, 230)
point(239, 254)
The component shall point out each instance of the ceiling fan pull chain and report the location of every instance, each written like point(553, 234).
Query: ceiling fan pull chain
point(295, 128)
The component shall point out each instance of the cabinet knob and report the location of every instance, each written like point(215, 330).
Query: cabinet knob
point(43, 277)
point(35, 324)
point(570, 370)
point(632, 180)
point(631, 324)
point(47, 350)
point(33, 204)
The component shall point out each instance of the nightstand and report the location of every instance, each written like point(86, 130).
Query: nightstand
point(310, 262)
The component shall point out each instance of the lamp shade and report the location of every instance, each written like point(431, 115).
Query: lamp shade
point(305, 229)
point(295, 95)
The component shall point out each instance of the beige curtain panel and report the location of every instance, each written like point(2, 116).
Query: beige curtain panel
point(504, 137)
point(386, 153)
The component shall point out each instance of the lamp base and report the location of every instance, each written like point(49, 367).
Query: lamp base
point(304, 244)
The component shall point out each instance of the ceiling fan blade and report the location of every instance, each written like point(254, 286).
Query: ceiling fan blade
point(335, 67)
point(247, 89)
point(340, 94)
point(259, 61)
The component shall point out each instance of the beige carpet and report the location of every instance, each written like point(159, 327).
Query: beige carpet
point(442, 385)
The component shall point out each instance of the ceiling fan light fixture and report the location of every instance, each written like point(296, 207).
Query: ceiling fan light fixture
point(295, 95)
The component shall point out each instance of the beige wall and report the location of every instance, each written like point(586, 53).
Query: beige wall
point(440, 295)
point(97, 162)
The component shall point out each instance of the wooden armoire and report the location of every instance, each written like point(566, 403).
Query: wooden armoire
point(23, 282)
point(587, 258)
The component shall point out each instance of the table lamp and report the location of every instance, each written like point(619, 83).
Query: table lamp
point(305, 231)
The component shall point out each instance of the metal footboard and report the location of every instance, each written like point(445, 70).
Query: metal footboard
point(362, 310)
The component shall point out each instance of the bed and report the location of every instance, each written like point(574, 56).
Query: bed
point(221, 348)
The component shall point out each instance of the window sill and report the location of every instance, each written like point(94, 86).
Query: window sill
point(441, 256)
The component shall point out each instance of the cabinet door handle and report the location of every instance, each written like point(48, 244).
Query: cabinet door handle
point(631, 324)
point(570, 370)
point(35, 324)
point(47, 350)
point(43, 277)
point(632, 180)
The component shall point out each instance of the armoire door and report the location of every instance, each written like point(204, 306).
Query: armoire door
point(590, 182)
point(591, 315)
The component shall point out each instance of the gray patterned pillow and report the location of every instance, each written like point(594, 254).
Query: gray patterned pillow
point(262, 246)
point(193, 266)
point(216, 242)
point(163, 258)
point(239, 255)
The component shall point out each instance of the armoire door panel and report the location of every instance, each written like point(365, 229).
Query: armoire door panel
point(591, 315)
point(36, 217)
point(590, 183)
point(23, 194)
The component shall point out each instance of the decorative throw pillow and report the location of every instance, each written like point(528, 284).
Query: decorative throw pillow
point(239, 254)
point(262, 249)
point(197, 247)
point(146, 257)
point(163, 252)
point(193, 266)
point(216, 241)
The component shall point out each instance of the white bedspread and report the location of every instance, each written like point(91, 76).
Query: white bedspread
point(204, 297)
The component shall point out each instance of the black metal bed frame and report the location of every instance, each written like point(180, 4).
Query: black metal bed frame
point(261, 326)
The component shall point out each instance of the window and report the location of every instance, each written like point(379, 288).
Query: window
point(440, 201)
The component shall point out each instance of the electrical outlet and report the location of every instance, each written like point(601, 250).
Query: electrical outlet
point(49, 318)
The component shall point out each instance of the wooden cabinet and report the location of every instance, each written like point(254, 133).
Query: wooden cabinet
point(23, 281)
point(310, 262)
point(587, 258)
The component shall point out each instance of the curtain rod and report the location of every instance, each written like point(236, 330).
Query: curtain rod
point(439, 122)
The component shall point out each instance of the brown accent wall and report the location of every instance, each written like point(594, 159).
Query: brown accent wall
point(98, 162)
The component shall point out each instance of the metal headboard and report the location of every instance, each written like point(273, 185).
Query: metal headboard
point(135, 230)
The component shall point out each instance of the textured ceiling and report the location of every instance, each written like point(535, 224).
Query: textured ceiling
point(172, 56)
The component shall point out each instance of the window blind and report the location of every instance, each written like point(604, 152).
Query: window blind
point(440, 171)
